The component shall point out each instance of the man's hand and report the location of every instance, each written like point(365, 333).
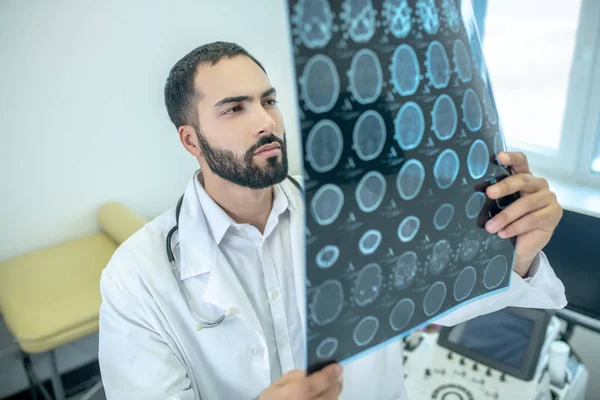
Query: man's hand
point(325, 384)
point(533, 217)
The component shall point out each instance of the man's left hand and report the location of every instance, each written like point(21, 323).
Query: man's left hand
point(533, 217)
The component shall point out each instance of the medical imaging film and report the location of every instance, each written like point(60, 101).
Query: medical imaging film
point(400, 134)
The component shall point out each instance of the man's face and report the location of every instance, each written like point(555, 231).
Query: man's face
point(241, 132)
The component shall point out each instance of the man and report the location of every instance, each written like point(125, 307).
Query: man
point(239, 252)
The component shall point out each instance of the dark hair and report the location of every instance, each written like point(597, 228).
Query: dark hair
point(180, 95)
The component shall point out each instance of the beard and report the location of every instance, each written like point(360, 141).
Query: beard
point(243, 171)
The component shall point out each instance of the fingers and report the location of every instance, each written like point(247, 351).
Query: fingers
point(545, 219)
point(289, 377)
point(523, 183)
point(516, 160)
point(520, 208)
point(326, 381)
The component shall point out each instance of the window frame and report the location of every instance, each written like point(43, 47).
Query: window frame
point(580, 131)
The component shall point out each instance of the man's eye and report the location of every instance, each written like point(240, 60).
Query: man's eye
point(271, 102)
point(234, 110)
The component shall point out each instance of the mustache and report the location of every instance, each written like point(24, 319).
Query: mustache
point(264, 140)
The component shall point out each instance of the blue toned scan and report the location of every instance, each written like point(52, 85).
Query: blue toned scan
point(320, 84)
point(451, 15)
point(445, 169)
point(437, 64)
point(406, 73)
point(434, 298)
point(409, 126)
point(440, 257)
point(359, 19)
point(478, 159)
point(401, 314)
point(327, 348)
point(410, 179)
point(368, 284)
point(398, 17)
point(461, 61)
point(405, 270)
point(443, 216)
point(327, 204)
point(471, 108)
point(365, 331)
point(495, 272)
point(313, 22)
point(327, 256)
point(366, 76)
point(444, 119)
point(369, 135)
point(428, 16)
point(369, 242)
point(465, 283)
point(370, 191)
point(475, 205)
point(328, 302)
point(324, 146)
point(470, 245)
point(399, 132)
point(408, 228)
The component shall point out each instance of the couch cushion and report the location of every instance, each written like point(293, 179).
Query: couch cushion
point(51, 297)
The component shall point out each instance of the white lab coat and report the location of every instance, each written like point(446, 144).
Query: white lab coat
point(149, 345)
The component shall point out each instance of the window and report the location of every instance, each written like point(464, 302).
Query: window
point(544, 67)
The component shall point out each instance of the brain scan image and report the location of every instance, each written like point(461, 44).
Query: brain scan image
point(320, 84)
point(428, 16)
point(401, 314)
point(370, 191)
point(359, 19)
point(369, 135)
point(438, 66)
point(365, 330)
point(405, 270)
point(410, 179)
point(406, 73)
point(366, 76)
point(410, 126)
point(369, 241)
point(328, 302)
point(398, 17)
point(398, 138)
point(327, 256)
point(324, 145)
point(471, 107)
point(313, 21)
point(445, 170)
point(327, 204)
point(443, 216)
point(444, 119)
point(462, 61)
point(408, 228)
point(368, 284)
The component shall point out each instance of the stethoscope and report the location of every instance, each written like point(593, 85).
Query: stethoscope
point(201, 323)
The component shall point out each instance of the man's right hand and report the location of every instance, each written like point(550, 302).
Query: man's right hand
point(325, 384)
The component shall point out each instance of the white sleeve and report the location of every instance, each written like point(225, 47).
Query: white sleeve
point(135, 362)
point(540, 289)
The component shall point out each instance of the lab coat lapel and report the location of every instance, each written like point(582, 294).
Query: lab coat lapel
point(199, 254)
point(298, 249)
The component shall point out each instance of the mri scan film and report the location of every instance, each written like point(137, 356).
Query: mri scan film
point(400, 134)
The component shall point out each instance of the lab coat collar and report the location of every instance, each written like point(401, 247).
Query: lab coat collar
point(199, 254)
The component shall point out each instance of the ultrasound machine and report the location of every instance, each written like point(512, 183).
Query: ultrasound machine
point(516, 353)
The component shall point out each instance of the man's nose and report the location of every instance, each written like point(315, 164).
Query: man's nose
point(265, 124)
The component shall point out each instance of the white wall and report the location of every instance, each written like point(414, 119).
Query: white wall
point(82, 118)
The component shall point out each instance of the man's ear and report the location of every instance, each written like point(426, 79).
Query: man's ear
point(189, 140)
